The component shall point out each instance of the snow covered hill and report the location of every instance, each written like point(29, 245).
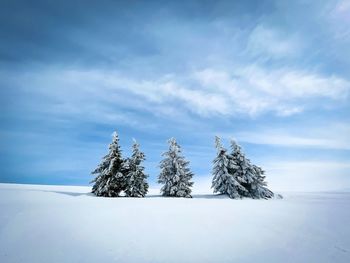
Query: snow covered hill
point(68, 224)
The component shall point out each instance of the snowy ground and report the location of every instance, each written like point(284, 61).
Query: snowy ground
point(67, 224)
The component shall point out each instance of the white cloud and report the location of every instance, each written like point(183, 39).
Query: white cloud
point(339, 20)
point(254, 90)
point(293, 84)
point(308, 175)
point(245, 90)
point(289, 111)
point(330, 136)
point(270, 42)
point(292, 141)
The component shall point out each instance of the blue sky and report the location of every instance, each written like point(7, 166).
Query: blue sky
point(273, 75)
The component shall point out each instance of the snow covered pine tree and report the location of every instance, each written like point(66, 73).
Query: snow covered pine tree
point(224, 182)
point(250, 176)
point(258, 188)
point(175, 174)
point(136, 185)
point(110, 179)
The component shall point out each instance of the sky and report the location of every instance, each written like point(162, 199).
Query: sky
point(273, 75)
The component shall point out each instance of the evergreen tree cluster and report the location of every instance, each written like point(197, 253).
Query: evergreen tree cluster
point(233, 173)
point(116, 174)
point(236, 176)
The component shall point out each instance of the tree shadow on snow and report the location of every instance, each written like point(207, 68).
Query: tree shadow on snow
point(71, 193)
point(74, 194)
point(209, 196)
point(153, 196)
point(195, 196)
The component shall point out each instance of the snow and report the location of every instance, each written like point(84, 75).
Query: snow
point(68, 224)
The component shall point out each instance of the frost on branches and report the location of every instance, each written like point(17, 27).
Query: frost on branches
point(136, 185)
point(249, 175)
point(234, 175)
point(175, 174)
point(110, 179)
point(258, 187)
point(223, 181)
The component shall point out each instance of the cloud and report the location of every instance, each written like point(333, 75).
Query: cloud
point(340, 20)
point(328, 136)
point(113, 96)
point(308, 175)
point(282, 83)
point(255, 90)
point(268, 42)
point(285, 112)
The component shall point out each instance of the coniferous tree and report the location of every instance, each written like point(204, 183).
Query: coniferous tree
point(250, 176)
point(175, 174)
point(224, 182)
point(243, 170)
point(258, 187)
point(110, 180)
point(137, 185)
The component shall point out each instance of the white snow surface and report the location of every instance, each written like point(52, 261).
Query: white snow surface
point(68, 224)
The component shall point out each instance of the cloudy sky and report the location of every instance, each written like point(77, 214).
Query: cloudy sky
point(274, 75)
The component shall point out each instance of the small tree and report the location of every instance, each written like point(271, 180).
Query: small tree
point(136, 185)
point(250, 176)
point(175, 173)
point(110, 180)
point(224, 182)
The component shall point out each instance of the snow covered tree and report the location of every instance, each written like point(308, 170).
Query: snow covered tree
point(110, 179)
point(243, 170)
point(136, 185)
point(224, 182)
point(175, 173)
point(250, 176)
point(258, 187)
